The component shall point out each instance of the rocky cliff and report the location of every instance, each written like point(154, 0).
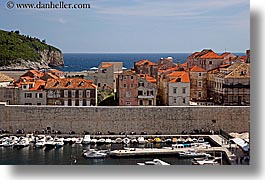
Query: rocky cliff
point(20, 52)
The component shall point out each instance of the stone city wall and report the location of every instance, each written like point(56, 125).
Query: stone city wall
point(168, 120)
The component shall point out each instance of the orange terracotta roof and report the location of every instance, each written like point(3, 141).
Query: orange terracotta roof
point(128, 72)
point(56, 71)
point(69, 83)
point(145, 62)
point(38, 85)
point(52, 75)
point(197, 69)
point(174, 77)
point(147, 77)
point(210, 55)
point(106, 65)
point(185, 64)
point(225, 54)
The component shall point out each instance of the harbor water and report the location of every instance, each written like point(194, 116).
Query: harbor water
point(69, 153)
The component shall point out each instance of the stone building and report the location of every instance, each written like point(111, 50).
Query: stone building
point(230, 85)
point(206, 59)
point(136, 89)
point(10, 95)
point(71, 92)
point(198, 84)
point(106, 75)
point(178, 89)
point(146, 67)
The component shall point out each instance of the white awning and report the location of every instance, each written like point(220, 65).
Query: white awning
point(240, 142)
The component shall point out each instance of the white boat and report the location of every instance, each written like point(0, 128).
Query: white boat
point(118, 140)
point(154, 162)
point(40, 143)
point(92, 153)
point(50, 144)
point(108, 141)
point(126, 140)
point(79, 140)
point(206, 161)
point(134, 141)
point(192, 154)
point(93, 141)
point(58, 142)
point(23, 142)
point(200, 140)
point(86, 139)
point(101, 141)
point(141, 140)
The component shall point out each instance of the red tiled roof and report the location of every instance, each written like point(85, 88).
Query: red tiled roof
point(174, 76)
point(147, 77)
point(52, 75)
point(197, 69)
point(106, 65)
point(38, 85)
point(145, 62)
point(185, 64)
point(69, 83)
point(225, 54)
point(210, 55)
point(36, 73)
point(56, 71)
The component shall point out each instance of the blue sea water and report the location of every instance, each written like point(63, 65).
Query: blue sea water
point(84, 61)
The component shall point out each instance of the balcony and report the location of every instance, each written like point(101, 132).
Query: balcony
point(146, 97)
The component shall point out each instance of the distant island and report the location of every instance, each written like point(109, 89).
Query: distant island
point(20, 52)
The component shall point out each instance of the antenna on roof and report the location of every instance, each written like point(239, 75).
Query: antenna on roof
point(225, 49)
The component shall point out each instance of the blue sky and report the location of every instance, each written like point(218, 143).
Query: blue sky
point(137, 25)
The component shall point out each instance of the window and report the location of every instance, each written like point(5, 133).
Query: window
point(124, 85)
point(127, 94)
point(175, 100)
point(210, 62)
point(128, 103)
point(199, 74)
point(151, 93)
point(30, 86)
point(199, 94)
point(174, 90)
point(131, 85)
point(24, 86)
point(140, 102)
point(140, 93)
point(140, 84)
point(73, 93)
point(87, 93)
point(98, 84)
point(28, 95)
point(131, 77)
point(80, 93)
point(183, 90)
point(38, 104)
point(199, 84)
point(65, 93)
point(124, 77)
point(184, 100)
point(40, 95)
point(150, 102)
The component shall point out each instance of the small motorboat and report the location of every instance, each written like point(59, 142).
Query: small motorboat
point(134, 141)
point(141, 140)
point(168, 141)
point(200, 140)
point(154, 162)
point(157, 140)
point(126, 140)
point(118, 140)
point(92, 153)
point(23, 142)
point(108, 141)
point(86, 139)
point(79, 141)
point(58, 142)
point(101, 141)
